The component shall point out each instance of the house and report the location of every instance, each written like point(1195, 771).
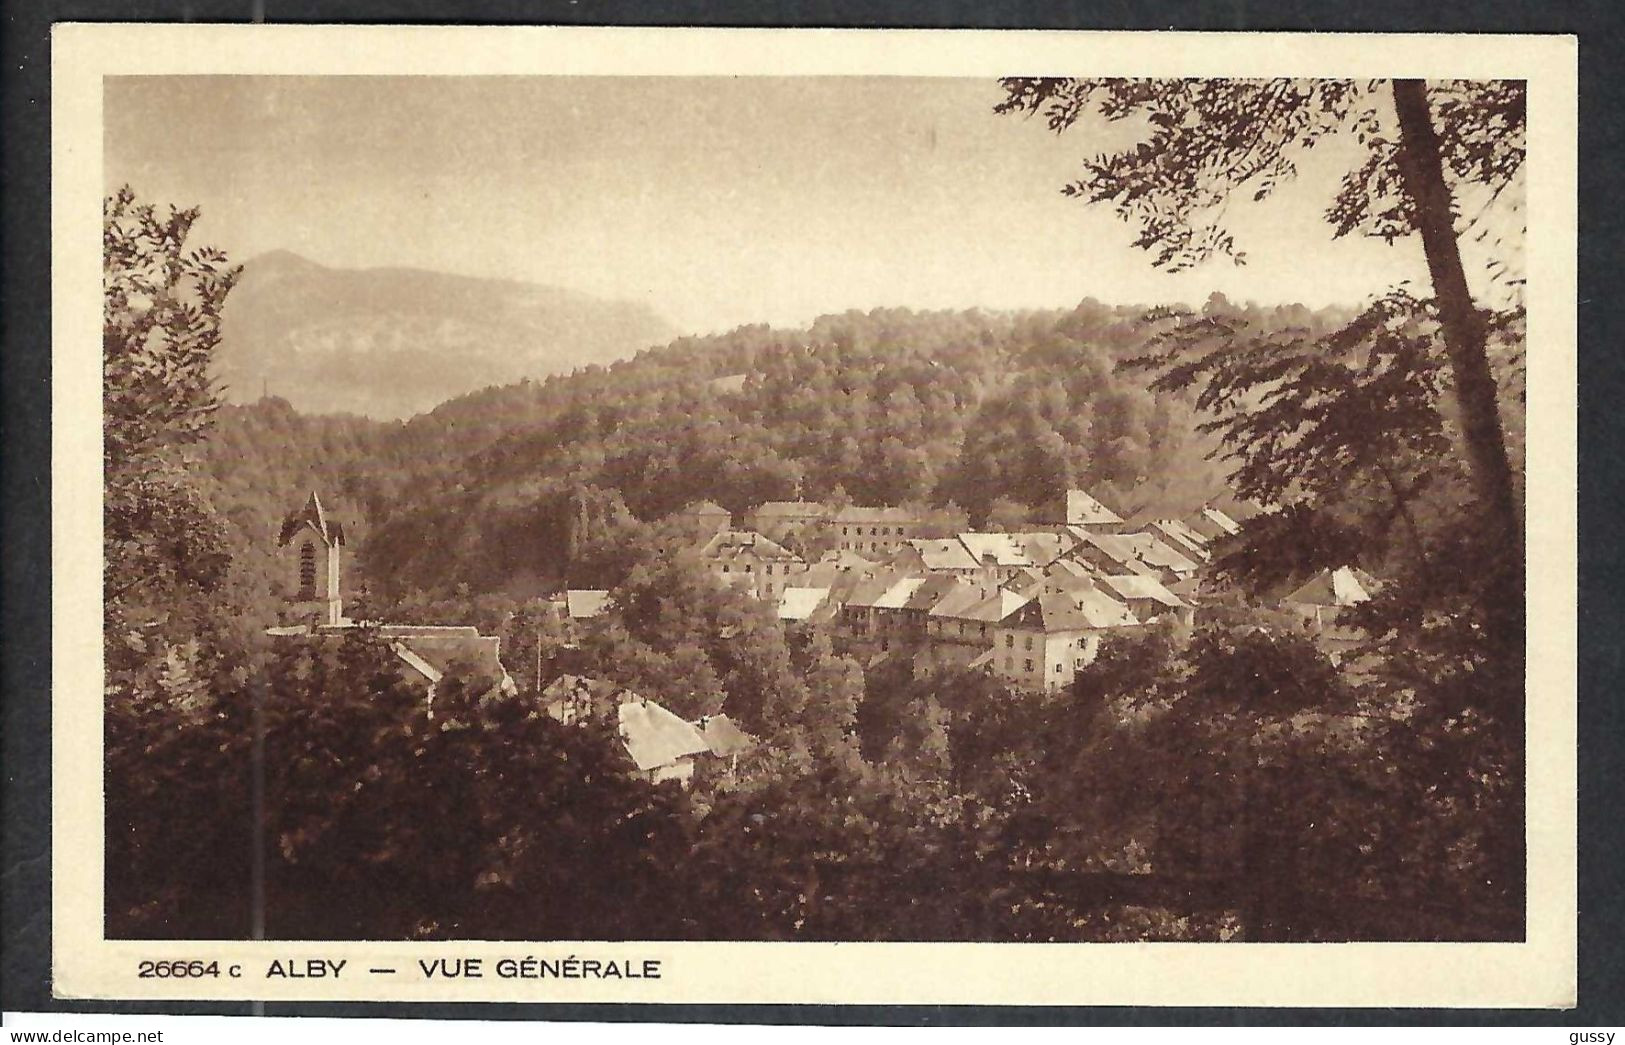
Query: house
point(1147, 598)
point(1109, 552)
point(1188, 541)
point(1078, 508)
point(874, 531)
point(805, 606)
point(584, 604)
point(1073, 568)
point(1044, 644)
point(1159, 553)
point(960, 628)
point(999, 555)
point(778, 519)
point(584, 609)
point(889, 611)
point(913, 615)
point(660, 744)
point(1213, 524)
point(702, 518)
point(842, 563)
point(1044, 547)
point(747, 560)
point(1321, 599)
point(724, 739)
point(424, 653)
point(935, 555)
point(871, 615)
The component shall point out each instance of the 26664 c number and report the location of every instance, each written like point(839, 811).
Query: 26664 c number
point(179, 969)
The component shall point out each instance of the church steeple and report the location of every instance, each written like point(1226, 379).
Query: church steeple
point(312, 551)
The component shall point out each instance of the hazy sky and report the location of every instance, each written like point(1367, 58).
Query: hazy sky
point(716, 201)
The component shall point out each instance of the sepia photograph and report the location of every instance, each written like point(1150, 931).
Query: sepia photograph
point(812, 509)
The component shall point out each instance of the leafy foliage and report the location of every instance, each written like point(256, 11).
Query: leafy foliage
point(1207, 141)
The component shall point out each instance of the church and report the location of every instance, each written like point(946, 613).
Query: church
point(311, 550)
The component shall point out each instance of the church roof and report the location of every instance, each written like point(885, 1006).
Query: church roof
point(312, 514)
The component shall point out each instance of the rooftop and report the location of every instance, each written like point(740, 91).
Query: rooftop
point(586, 603)
point(655, 737)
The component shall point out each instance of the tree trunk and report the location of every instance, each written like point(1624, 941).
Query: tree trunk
point(1462, 323)
point(1422, 170)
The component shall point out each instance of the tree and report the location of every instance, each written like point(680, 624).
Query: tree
point(160, 327)
point(1212, 140)
point(175, 660)
point(1303, 413)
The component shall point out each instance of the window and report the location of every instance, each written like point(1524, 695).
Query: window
point(770, 569)
point(1029, 640)
point(983, 630)
point(724, 567)
point(1027, 665)
point(873, 531)
point(747, 567)
point(307, 571)
point(1009, 642)
point(1057, 667)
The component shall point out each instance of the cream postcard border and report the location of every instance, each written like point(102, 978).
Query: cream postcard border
point(1538, 972)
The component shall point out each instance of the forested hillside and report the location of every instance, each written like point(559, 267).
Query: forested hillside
point(492, 490)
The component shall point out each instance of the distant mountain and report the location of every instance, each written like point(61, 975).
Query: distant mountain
point(390, 342)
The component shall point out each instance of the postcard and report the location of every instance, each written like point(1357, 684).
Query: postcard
point(876, 517)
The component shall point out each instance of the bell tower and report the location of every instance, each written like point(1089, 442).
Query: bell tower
point(311, 547)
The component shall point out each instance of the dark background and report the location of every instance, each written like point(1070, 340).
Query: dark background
point(25, 462)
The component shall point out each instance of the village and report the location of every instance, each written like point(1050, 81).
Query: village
point(1030, 606)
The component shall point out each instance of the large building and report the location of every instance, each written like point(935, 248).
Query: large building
point(875, 532)
point(1049, 639)
point(747, 560)
point(779, 519)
